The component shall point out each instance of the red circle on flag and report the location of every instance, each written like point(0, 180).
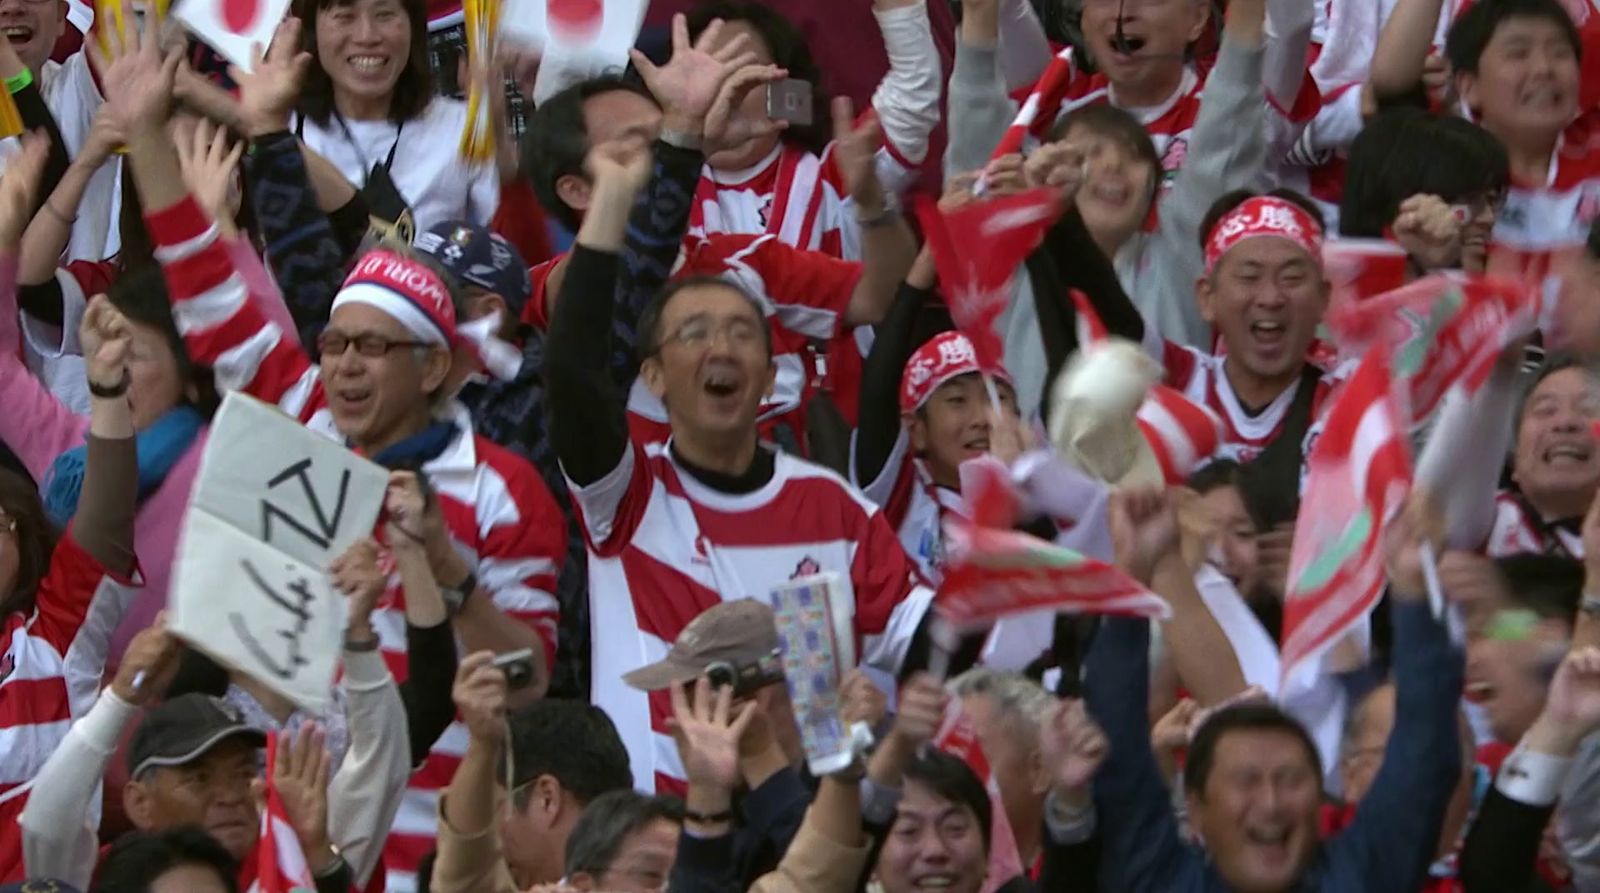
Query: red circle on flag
point(574, 20)
point(240, 16)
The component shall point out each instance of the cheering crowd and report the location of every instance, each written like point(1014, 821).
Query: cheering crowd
point(1189, 415)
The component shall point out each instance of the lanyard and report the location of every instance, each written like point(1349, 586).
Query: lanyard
point(367, 169)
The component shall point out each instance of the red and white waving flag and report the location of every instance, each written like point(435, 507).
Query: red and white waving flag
point(977, 248)
point(280, 863)
point(996, 572)
point(958, 738)
point(1044, 99)
point(1445, 331)
point(1358, 477)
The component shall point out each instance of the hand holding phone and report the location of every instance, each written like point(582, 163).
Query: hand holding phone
point(790, 100)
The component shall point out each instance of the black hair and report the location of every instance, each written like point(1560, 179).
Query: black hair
point(558, 140)
point(412, 91)
point(141, 296)
point(1237, 197)
point(789, 52)
point(1476, 27)
point(606, 823)
point(137, 859)
point(573, 741)
point(1403, 152)
point(1241, 718)
point(650, 320)
point(36, 541)
point(1215, 476)
point(950, 778)
point(1107, 120)
point(1548, 585)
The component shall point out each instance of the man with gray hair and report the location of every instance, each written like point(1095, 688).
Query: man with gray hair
point(626, 842)
point(1008, 710)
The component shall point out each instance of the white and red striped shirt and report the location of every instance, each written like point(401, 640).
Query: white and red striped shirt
point(804, 294)
point(1544, 224)
point(915, 507)
point(1202, 379)
point(664, 547)
point(50, 675)
point(500, 515)
point(1516, 531)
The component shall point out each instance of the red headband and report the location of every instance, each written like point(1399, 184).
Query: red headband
point(1264, 215)
point(944, 356)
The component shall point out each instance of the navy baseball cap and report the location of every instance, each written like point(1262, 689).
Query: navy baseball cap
point(476, 256)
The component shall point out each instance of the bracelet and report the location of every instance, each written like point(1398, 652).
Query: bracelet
point(708, 818)
point(361, 645)
point(111, 392)
point(18, 82)
point(51, 210)
point(889, 213)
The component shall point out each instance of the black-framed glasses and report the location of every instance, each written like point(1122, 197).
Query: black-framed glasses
point(334, 344)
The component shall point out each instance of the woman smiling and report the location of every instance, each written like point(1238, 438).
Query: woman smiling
point(369, 108)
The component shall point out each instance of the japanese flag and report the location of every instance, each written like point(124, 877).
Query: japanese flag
point(280, 863)
point(232, 27)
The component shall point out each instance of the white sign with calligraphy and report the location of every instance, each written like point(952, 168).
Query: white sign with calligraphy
point(273, 504)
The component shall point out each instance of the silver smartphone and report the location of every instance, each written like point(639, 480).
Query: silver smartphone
point(518, 667)
point(790, 100)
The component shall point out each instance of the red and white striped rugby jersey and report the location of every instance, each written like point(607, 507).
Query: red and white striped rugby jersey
point(915, 507)
point(1200, 377)
point(804, 293)
point(50, 675)
point(1544, 224)
point(1515, 532)
point(664, 547)
point(500, 515)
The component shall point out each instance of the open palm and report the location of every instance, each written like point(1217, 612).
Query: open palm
point(689, 83)
point(708, 734)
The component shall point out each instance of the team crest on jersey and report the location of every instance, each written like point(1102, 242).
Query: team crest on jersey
point(808, 567)
point(8, 664)
point(1172, 159)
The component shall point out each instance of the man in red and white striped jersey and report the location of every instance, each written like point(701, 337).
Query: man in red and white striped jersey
point(712, 514)
point(1555, 469)
point(388, 354)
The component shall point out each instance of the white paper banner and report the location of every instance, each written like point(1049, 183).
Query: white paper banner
point(272, 506)
point(232, 27)
point(597, 33)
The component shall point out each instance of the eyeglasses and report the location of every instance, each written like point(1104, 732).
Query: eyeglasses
point(334, 344)
point(701, 331)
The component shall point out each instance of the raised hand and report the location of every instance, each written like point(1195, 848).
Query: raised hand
point(267, 93)
point(1402, 547)
point(19, 187)
point(1574, 699)
point(412, 521)
point(729, 125)
point(1144, 530)
point(300, 776)
point(105, 135)
point(708, 733)
point(855, 151)
point(105, 337)
point(148, 665)
point(688, 85)
point(1273, 550)
point(1006, 175)
point(861, 701)
point(480, 696)
point(1059, 166)
point(136, 78)
point(1429, 231)
point(623, 165)
point(1073, 745)
point(356, 574)
point(922, 705)
point(209, 165)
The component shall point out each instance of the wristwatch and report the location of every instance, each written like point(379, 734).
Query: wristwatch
point(455, 597)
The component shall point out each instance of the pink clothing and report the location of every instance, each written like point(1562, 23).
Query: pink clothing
point(38, 428)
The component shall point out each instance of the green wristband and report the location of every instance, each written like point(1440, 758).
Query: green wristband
point(18, 82)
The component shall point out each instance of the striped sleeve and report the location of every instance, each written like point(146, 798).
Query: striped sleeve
point(523, 545)
point(807, 292)
point(222, 326)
